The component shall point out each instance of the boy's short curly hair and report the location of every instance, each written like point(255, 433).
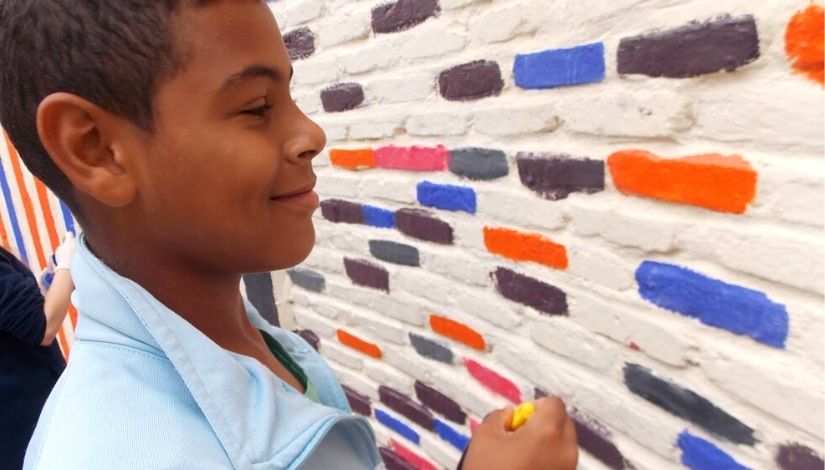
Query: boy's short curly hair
point(114, 53)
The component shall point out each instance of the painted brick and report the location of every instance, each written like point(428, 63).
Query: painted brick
point(359, 344)
point(798, 457)
point(339, 211)
point(422, 225)
point(699, 454)
point(310, 337)
point(413, 158)
point(396, 253)
point(455, 438)
point(557, 176)
point(356, 159)
point(740, 310)
point(367, 274)
point(431, 349)
point(525, 290)
point(458, 332)
point(521, 246)
point(560, 67)
point(503, 121)
point(397, 425)
point(695, 49)
point(402, 14)
point(686, 404)
point(341, 355)
point(378, 217)
point(342, 97)
point(804, 39)
point(447, 197)
point(493, 381)
point(401, 404)
point(716, 182)
point(300, 43)
point(471, 81)
point(440, 403)
point(438, 124)
point(261, 294)
point(394, 461)
point(420, 463)
point(385, 373)
point(359, 403)
point(594, 439)
point(478, 163)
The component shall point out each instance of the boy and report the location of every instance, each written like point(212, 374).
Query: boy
point(168, 127)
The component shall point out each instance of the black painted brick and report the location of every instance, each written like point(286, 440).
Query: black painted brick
point(402, 14)
point(471, 81)
point(339, 211)
point(300, 43)
point(557, 176)
point(421, 224)
point(531, 292)
point(406, 407)
point(342, 97)
point(440, 403)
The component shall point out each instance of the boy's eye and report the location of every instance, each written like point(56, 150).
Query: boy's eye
point(260, 111)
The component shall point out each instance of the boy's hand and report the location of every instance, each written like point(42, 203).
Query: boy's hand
point(546, 442)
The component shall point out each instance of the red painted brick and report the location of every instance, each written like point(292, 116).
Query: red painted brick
point(494, 381)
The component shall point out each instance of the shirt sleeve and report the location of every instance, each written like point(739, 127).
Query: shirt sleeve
point(21, 304)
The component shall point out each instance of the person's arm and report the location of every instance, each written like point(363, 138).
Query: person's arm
point(58, 297)
point(21, 303)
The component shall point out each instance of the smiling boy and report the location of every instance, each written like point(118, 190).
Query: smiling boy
point(168, 127)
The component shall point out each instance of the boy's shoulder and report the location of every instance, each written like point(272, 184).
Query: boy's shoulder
point(120, 407)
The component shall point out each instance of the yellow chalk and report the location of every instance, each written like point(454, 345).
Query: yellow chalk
point(521, 414)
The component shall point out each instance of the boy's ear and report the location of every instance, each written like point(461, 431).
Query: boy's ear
point(90, 147)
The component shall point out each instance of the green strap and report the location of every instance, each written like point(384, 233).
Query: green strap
point(289, 363)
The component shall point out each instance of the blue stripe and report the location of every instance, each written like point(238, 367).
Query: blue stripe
point(378, 217)
point(18, 235)
point(699, 454)
point(68, 220)
point(447, 197)
point(446, 432)
point(397, 426)
point(560, 67)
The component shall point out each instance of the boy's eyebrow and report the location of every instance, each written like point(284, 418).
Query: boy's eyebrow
point(253, 71)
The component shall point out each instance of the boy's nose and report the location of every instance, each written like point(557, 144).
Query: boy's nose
point(308, 141)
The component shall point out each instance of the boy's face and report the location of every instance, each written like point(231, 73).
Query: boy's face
point(226, 182)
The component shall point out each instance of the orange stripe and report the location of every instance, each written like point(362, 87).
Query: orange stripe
point(27, 202)
point(457, 331)
point(4, 238)
point(73, 316)
point(359, 344)
point(47, 213)
point(352, 159)
point(520, 246)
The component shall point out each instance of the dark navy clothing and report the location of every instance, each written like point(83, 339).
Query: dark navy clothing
point(28, 371)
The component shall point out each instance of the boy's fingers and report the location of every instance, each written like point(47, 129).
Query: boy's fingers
point(500, 419)
point(551, 409)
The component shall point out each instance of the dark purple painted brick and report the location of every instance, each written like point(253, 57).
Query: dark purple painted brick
point(798, 457)
point(402, 14)
point(539, 393)
point(471, 81)
point(367, 274)
point(421, 224)
point(300, 43)
point(406, 407)
point(698, 48)
point(342, 97)
point(359, 403)
point(394, 461)
point(531, 292)
point(596, 441)
point(336, 210)
point(310, 337)
point(556, 176)
point(440, 403)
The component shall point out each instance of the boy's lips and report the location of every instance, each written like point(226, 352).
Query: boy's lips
point(305, 197)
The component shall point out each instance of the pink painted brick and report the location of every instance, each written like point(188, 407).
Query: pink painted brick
point(493, 381)
point(412, 158)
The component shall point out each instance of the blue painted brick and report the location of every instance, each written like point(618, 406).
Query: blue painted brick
point(396, 425)
point(560, 67)
point(446, 432)
point(699, 454)
point(447, 197)
point(378, 217)
point(737, 309)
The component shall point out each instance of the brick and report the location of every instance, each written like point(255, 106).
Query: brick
point(471, 81)
point(316, 71)
point(437, 124)
point(576, 343)
point(520, 246)
point(386, 374)
point(493, 381)
point(458, 332)
point(422, 225)
point(380, 126)
point(354, 342)
point(355, 380)
point(346, 25)
point(342, 97)
point(695, 49)
point(804, 40)
point(261, 294)
point(593, 438)
point(740, 310)
point(359, 403)
point(699, 454)
point(401, 89)
point(420, 463)
point(402, 405)
point(413, 158)
point(340, 211)
point(556, 176)
point(378, 326)
point(300, 43)
point(715, 182)
point(356, 159)
point(378, 217)
point(627, 227)
point(431, 349)
point(394, 461)
point(310, 337)
point(798, 457)
point(430, 40)
point(449, 434)
point(440, 403)
point(440, 452)
point(525, 290)
point(396, 253)
point(478, 163)
point(447, 197)
point(346, 357)
point(686, 404)
point(560, 67)
point(367, 274)
point(310, 320)
point(518, 120)
point(397, 425)
point(402, 14)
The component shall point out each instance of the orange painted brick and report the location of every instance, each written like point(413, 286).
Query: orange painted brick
point(359, 159)
point(716, 182)
point(520, 246)
point(805, 43)
point(359, 344)
point(457, 331)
